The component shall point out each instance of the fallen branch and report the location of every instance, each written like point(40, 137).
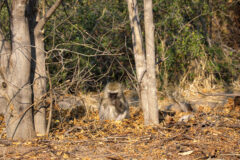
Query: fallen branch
point(221, 94)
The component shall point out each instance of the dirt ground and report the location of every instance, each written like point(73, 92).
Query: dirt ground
point(207, 134)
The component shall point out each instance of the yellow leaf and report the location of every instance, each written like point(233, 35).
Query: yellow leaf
point(59, 153)
point(74, 121)
point(27, 143)
point(16, 143)
point(65, 156)
point(61, 136)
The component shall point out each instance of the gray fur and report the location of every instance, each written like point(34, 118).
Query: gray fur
point(113, 105)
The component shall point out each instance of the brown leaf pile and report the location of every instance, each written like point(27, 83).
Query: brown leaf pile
point(210, 133)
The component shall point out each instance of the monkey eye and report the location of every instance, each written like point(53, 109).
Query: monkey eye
point(113, 95)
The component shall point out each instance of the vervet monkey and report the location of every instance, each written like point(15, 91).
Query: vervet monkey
point(113, 105)
point(178, 106)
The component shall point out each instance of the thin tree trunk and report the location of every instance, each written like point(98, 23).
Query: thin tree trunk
point(38, 70)
point(150, 56)
point(139, 56)
point(39, 86)
point(39, 67)
point(19, 118)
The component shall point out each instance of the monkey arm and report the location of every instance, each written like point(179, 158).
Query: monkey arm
point(122, 116)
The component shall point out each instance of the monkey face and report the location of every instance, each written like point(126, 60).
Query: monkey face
point(113, 96)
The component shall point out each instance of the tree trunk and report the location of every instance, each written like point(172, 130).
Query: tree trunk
point(5, 51)
point(150, 55)
point(15, 71)
point(39, 85)
point(139, 56)
point(19, 118)
point(38, 69)
point(38, 63)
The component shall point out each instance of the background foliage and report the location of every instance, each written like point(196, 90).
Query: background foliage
point(89, 42)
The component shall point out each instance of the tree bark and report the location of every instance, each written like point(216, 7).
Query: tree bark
point(5, 51)
point(19, 118)
point(39, 86)
point(139, 56)
point(38, 63)
point(38, 70)
point(150, 56)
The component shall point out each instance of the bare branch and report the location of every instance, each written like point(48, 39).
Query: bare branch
point(49, 13)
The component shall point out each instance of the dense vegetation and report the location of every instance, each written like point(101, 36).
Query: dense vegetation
point(89, 43)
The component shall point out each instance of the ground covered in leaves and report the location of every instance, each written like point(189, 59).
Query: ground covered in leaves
point(209, 133)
